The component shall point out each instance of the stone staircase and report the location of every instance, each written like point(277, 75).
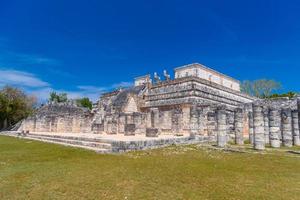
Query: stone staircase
point(93, 144)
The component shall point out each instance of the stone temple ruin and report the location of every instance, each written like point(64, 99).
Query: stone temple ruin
point(199, 104)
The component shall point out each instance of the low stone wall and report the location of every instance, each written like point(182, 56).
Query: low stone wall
point(123, 146)
point(59, 118)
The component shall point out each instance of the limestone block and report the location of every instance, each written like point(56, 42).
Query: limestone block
point(287, 137)
point(222, 129)
point(121, 124)
point(129, 129)
point(177, 121)
point(151, 132)
point(295, 118)
point(275, 124)
point(186, 117)
point(259, 129)
point(266, 125)
point(211, 123)
point(238, 121)
point(193, 121)
point(251, 127)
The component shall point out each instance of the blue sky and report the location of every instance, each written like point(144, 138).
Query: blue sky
point(88, 47)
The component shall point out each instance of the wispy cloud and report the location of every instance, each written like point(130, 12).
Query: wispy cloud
point(32, 84)
point(59, 72)
point(94, 92)
point(90, 88)
point(15, 58)
point(20, 78)
point(43, 93)
point(35, 59)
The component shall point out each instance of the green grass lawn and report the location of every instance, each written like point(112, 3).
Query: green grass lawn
point(35, 170)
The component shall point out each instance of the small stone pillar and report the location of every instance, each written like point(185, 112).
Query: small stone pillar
point(154, 117)
point(287, 137)
point(275, 124)
point(251, 131)
point(259, 128)
point(221, 127)
point(152, 123)
point(149, 120)
point(266, 125)
point(129, 129)
point(211, 124)
point(193, 122)
point(295, 119)
point(238, 126)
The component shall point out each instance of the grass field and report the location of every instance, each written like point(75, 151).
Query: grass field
point(35, 170)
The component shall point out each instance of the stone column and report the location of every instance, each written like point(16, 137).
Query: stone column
point(275, 124)
point(251, 131)
point(238, 126)
point(287, 137)
point(176, 120)
point(193, 122)
point(149, 119)
point(153, 118)
point(152, 123)
point(259, 129)
point(295, 119)
point(266, 125)
point(221, 127)
point(211, 124)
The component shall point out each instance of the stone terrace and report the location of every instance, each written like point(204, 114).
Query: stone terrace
point(106, 143)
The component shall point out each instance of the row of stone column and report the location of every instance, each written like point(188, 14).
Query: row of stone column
point(266, 125)
point(223, 126)
point(275, 127)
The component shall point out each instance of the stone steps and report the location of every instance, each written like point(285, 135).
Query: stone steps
point(78, 142)
point(73, 141)
point(79, 138)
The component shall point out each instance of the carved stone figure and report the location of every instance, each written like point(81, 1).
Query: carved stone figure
point(156, 78)
point(167, 76)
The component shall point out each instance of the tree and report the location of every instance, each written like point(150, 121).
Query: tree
point(85, 102)
point(288, 94)
point(15, 105)
point(53, 97)
point(260, 88)
point(58, 98)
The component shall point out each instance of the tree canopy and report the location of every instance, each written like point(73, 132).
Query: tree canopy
point(288, 94)
point(15, 105)
point(261, 88)
point(58, 98)
point(85, 102)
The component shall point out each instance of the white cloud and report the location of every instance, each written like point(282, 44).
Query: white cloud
point(14, 58)
point(58, 72)
point(20, 78)
point(91, 88)
point(41, 89)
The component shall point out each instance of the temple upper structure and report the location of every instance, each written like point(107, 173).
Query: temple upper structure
point(203, 72)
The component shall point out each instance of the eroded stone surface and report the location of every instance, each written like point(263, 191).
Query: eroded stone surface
point(189, 105)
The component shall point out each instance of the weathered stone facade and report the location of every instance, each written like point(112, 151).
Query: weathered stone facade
point(59, 118)
point(189, 105)
point(183, 106)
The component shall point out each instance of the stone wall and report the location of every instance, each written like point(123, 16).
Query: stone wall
point(59, 118)
point(193, 90)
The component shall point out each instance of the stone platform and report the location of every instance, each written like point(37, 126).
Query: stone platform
point(106, 143)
